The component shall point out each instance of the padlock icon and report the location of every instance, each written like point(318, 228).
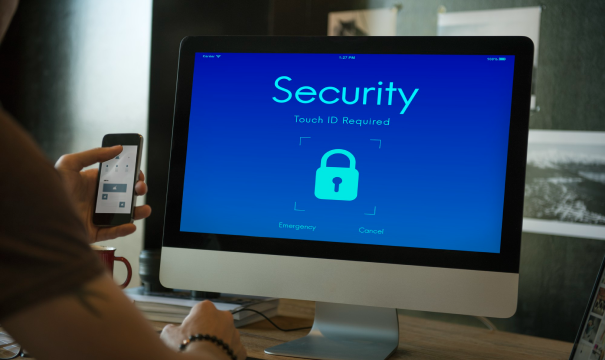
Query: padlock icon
point(337, 183)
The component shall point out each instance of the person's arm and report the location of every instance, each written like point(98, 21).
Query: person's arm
point(97, 321)
point(55, 297)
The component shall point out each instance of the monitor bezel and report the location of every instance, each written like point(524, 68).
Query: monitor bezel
point(505, 261)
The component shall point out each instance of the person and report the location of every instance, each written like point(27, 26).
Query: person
point(56, 299)
point(589, 327)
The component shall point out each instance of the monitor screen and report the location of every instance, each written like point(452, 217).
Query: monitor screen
point(377, 149)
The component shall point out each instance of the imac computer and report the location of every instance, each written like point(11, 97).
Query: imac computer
point(364, 173)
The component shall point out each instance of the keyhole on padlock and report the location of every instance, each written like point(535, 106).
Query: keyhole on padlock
point(336, 182)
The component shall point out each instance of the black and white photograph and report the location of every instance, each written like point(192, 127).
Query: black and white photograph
point(590, 331)
point(565, 183)
point(374, 22)
point(599, 304)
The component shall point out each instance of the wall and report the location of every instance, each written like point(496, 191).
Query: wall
point(72, 71)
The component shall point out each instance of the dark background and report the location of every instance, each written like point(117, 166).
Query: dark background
point(557, 273)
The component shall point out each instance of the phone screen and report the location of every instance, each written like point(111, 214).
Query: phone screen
point(116, 183)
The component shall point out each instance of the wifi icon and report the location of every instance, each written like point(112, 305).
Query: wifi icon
point(218, 56)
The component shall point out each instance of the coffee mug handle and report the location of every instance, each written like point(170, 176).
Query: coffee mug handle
point(128, 268)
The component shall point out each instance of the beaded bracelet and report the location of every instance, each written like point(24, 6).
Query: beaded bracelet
point(212, 339)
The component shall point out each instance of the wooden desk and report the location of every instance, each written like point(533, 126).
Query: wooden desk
point(420, 339)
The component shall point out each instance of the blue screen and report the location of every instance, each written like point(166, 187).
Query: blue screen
point(398, 150)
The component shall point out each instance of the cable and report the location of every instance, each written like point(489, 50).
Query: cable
point(266, 318)
point(269, 320)
point(490, 325)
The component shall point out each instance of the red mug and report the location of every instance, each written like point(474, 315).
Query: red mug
point(107, 256)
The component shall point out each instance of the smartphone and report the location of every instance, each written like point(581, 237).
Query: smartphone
point(114, 201)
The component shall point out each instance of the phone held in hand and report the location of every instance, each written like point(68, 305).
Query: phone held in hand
point(114, 200)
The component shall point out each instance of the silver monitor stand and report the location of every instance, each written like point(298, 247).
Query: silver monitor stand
point(346, 332)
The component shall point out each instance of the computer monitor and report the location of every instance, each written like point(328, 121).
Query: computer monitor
point(364, 173)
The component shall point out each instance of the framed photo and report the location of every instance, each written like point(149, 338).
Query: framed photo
point(565, 183)
point(375, 22)
point(590, 331)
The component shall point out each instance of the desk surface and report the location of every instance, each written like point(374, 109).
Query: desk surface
point(420, 339)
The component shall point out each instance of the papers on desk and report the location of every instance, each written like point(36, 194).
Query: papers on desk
point(167, 309)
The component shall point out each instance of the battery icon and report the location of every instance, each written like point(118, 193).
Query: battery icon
point(502, 59)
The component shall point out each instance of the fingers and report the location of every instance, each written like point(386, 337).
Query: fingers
point(115, 232)
point(237, 346)
point(78, 161)
point(206, 305)
point(241, 353)
point(228, 315)
point(142, 212)
point(206, 318)
point(170, 336)
point(140, 188)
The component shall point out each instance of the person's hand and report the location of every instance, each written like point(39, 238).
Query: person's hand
point(204, 319)
point(81, 186)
